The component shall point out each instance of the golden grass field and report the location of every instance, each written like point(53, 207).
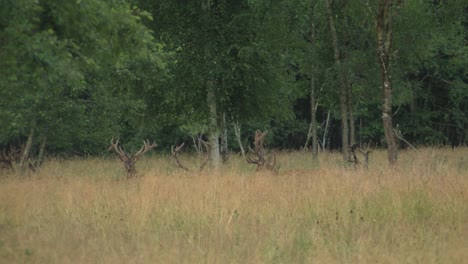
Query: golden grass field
point(82, 211)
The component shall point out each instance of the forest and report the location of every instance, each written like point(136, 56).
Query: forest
point(317, 75)
point(233, 131)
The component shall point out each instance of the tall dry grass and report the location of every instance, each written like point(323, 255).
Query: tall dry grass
point(81, 211)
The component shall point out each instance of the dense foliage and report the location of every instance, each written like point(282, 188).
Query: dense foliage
point(79, 72)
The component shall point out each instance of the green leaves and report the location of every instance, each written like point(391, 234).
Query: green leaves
point(57, 55)
point(92, 69)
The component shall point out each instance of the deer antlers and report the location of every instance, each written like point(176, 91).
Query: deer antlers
point(118, 149)
point(261, 159)
point(354, 159)
point(130, 160)
point(175, 153)
point(7, 157)
point(145, 148)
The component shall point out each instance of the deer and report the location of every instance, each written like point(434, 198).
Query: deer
point(128, 159)
point(259, 156)
point(175, 153)
point(7, 157)
point(354, 159)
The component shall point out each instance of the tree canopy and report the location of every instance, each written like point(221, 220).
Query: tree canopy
point(79, 72)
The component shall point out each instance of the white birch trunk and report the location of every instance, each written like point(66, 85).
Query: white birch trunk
point(213, 131)
point(237, 131)
point(25, 155)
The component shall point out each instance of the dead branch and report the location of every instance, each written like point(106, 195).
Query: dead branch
point(400, 137)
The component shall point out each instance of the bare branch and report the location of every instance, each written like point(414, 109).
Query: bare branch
point(436, 77)
point(400, 137)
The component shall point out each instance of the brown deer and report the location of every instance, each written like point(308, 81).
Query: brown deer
point(263, 160)
point(175, 153)
point(7, 157)
point(130, 160)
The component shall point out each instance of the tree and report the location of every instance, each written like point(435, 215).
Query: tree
point(342, 80)
point(55, 55)
point(386, 14)
point(313, 90)
point(77, 73)
point(211, 102)
point(227, 64)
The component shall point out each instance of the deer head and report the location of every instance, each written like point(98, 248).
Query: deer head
point(128, 159)
point(259, 155)
point(7, 157)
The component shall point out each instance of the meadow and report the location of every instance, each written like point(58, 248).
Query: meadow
point(82, 210)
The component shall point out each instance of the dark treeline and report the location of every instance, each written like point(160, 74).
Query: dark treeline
point(315, 74)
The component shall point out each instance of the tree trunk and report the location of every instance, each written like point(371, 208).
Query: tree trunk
point(360, 132)
point(313, 101)
point(412, 106)
point(352, 126)
point(213, 133)
point(309, 136)
point(327, 123)
point(213, 128)
point(224, 140)
point(313, 113)
point(237, 131)
point(342, 80)
point(309, 131)
point(196, 144)
point(40, 155)
point(25, 155)
point(384, 42)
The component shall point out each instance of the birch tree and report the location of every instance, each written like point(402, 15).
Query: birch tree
point(387, 10)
